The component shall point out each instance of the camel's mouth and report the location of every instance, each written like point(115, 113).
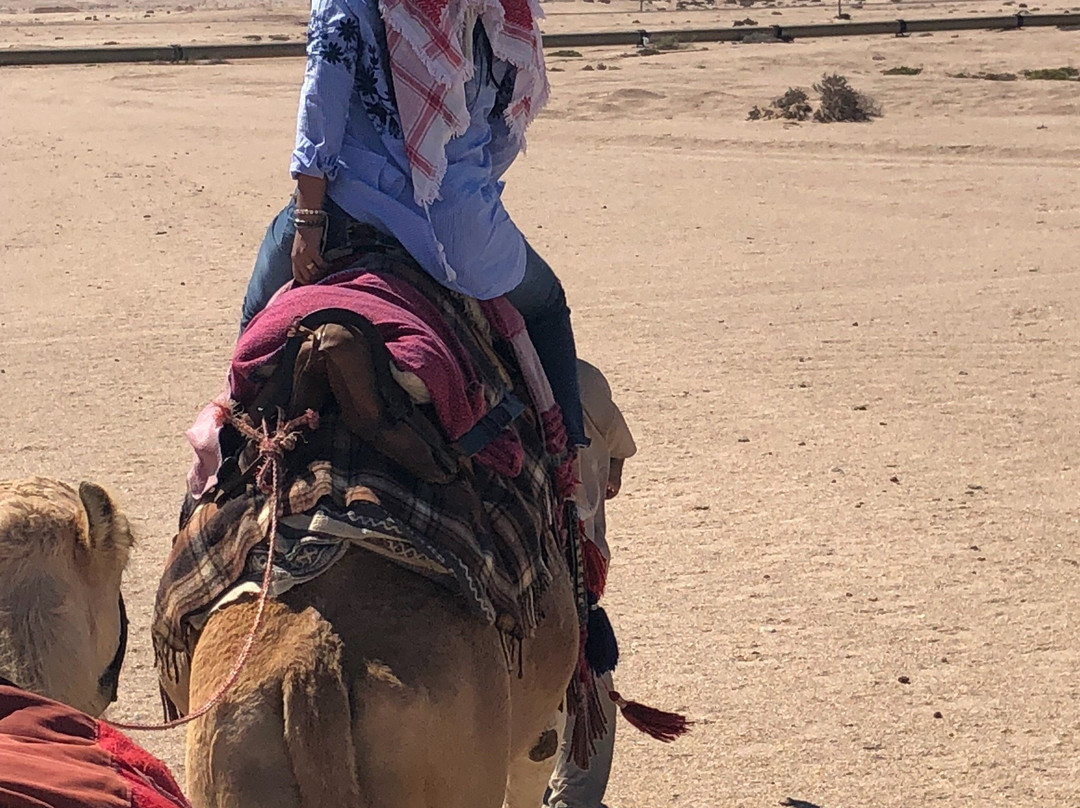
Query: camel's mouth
point(109, 682)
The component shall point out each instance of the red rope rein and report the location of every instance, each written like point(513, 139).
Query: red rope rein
point(272, 447)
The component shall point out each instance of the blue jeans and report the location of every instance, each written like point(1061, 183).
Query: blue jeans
point(542, 302)
point(539, 297)
point(273, 265)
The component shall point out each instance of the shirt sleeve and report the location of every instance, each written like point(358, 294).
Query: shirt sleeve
point(601, 409)
point(620, 441)
point(332, 51)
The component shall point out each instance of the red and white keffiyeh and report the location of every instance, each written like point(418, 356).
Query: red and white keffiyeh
point(431, 60)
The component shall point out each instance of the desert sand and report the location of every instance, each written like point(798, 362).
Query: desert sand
point(849, 546)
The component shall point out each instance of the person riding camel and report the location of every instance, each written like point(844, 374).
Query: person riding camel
point(410, 113)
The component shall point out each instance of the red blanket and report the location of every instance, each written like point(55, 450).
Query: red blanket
point(415, 332)
point(53, 756)
point(418, 337)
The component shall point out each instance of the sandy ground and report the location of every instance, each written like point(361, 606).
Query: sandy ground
point(86, 23)
point(849, 544)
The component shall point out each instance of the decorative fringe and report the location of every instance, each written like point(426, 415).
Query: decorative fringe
point(504, 454)
point(554, 430)
point(595, 567)
point(588, 713)
point(572, 547)
point(601, 647)
point(566, 482)
point(659, 724)
point(582, 695)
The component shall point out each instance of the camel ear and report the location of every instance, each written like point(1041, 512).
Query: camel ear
point(108, 528)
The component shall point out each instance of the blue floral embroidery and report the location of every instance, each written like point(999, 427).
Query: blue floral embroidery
point(340, 42)
point(349, 30)
point(372, 83)
point(333, 42)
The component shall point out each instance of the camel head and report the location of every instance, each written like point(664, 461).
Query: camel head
point(62, 623)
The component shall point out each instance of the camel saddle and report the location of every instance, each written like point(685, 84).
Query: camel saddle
point(439, 445)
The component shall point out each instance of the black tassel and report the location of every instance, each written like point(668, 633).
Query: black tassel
point(601, 647)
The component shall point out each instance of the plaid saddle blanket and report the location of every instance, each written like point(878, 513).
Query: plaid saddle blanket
point(438, 445)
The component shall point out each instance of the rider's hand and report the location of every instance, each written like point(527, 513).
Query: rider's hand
point(307, 263)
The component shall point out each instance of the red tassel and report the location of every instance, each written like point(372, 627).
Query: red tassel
point(595, 568)
point(661, 725)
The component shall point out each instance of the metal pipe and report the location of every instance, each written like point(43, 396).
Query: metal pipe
point(265, 50)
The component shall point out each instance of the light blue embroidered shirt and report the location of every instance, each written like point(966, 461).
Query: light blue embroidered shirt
point(348, 131)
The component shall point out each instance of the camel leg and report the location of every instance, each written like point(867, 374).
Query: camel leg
point(548, 660)
point(280, 738)
point(224, 771)
point(429, 687)
point(530, 773)
point(417, 749)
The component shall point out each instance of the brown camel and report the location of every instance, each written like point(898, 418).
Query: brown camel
point(62, 554)
point(372, 687)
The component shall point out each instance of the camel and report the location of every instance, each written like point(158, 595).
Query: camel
point(62, 554)
point(62, 637)
point(373, 687)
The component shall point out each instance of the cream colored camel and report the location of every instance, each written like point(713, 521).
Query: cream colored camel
point(372, 687)
point(62, 554)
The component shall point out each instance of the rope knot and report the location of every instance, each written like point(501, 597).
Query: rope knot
point(272, 446)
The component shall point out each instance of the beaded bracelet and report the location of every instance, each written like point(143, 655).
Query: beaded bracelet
point(317, 213)
point(304, 224)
